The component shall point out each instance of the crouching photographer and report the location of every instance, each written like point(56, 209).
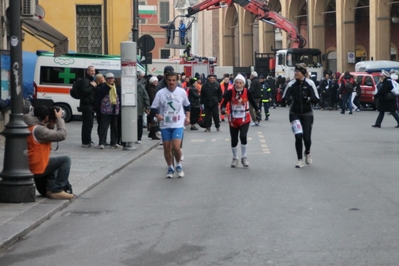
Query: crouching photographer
point(50, 173)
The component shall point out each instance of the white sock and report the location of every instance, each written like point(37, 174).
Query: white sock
point(234, 150)
point(243, 151)
point(171, 166)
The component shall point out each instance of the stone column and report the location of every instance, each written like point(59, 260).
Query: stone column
point(380, 28)
point(346, 34)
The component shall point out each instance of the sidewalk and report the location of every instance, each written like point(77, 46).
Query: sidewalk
point(90, 166)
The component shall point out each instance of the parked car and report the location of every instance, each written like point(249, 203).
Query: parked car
point(367, 82)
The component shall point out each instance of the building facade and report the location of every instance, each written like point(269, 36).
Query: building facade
point(339, 28)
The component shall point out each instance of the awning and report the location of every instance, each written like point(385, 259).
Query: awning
point(44, 31)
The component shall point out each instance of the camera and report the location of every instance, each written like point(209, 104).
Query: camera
point(52, 110)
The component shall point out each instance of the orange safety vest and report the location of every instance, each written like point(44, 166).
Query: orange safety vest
point(38, 153)
point(239, 109)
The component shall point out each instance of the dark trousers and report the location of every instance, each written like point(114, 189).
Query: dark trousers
point(98, 117)
point(380, 117)
point(266, 106)
point(106, 122)
point(194, 114)
point(212, 111)
point(325, 101)
point(87, 122)
point(55, 176)
point(139, 127)
point(252, 110)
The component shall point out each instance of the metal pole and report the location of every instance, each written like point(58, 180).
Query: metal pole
point(135, 30)
point(16, 183)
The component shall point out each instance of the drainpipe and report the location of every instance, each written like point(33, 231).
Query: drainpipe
point(105, 26)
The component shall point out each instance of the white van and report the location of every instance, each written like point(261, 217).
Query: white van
point(54, 77)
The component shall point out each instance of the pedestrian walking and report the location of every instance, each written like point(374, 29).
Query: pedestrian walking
point(300, 94)
point(386, 100)
point(211, 96)
point(345, 92)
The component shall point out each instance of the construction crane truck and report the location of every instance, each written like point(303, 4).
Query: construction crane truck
point(285, 60)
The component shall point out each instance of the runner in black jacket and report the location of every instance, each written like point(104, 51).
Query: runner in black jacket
point(300, 94)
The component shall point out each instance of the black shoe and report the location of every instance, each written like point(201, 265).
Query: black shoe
point(343, 113)
point(223, 120)
point(397, 126)
point(193, 128)
point(350, 113)
point(377, 126)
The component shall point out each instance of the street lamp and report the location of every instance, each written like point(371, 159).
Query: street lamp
point(16, 184)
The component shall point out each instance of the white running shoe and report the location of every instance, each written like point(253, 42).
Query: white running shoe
point(179, 171)
point(234, 163)
point(300, 164)
point(244, 162)
point(102, 147)
point(308, 159)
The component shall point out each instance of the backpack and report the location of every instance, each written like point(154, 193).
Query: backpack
point(75, 91)
point(348, 86)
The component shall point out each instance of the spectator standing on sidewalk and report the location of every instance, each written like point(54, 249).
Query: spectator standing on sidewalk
point(110, 107)
point(100, 79)
point(143, 106)
point(87, 88)
point(50, 173)
point(151, 90)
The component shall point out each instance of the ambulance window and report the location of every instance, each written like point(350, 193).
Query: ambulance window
point(60, 75)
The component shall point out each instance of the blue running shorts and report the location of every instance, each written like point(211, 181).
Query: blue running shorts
point(172, 133)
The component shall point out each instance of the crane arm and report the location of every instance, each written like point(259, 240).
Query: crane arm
point(261, 10)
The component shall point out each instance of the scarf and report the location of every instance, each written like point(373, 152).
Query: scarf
point(112, 94)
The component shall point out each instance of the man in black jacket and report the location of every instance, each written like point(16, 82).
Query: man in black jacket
point(211, 96)
point(87, 88)
point(255, 89)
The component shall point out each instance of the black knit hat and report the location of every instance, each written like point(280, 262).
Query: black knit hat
point(168, 69)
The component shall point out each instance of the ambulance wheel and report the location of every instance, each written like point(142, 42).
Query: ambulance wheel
point(67, 113)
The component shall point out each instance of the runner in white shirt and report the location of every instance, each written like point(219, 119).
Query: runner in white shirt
point(172, 109)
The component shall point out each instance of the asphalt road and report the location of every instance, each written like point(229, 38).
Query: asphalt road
point(342, 210)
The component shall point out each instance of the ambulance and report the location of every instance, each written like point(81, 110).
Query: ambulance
point(54, 76)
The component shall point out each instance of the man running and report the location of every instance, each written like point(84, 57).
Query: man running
point(172, 109)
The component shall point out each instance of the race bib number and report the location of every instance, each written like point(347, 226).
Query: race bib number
point(171, 117)
point(238, 111)
point(296, 127)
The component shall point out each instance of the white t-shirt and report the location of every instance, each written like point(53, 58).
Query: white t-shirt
point(170, 106)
